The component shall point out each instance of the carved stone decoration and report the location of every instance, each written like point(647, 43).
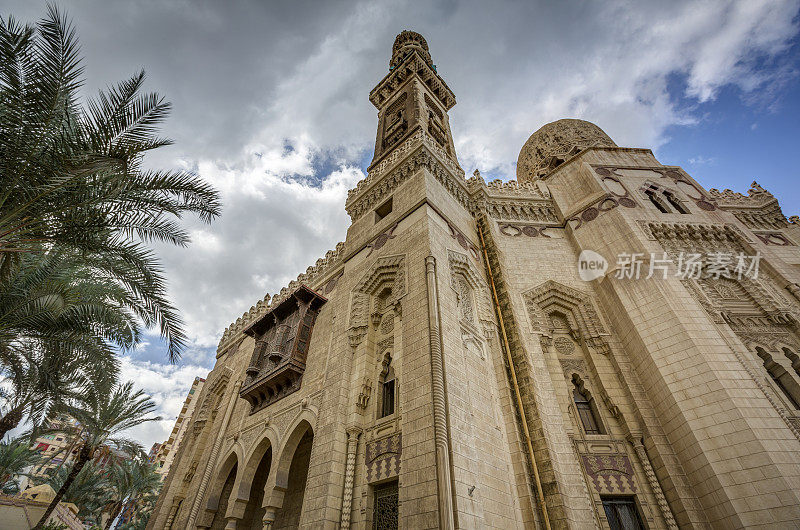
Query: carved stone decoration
point(774, 238)
point(353, 433)
point(563, 345)
point(573, 366)
point(554, 143)
point(610, 474)
point(372, 190)
point(383, 458)
point(363, 396)
point(469, 287)
point(282, 339)
point(331, 284)
point(574, 305)
point(385, 281)
point(381, 240)
point(517, 230)
point(655, 485)
point(187, 478)
point(465, 243)
point(599, 207)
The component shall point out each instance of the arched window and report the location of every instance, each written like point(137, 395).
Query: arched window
point(792, 356)
point(584, 405)
point(388, 388)
point(675, 202)
point(783, 379)
point(657, 202)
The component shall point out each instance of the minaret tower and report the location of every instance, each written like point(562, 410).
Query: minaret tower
point(412, 96)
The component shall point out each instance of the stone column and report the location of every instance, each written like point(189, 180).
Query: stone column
point(212, 459)
point(173, 511)
point(439, 402)
point(269, 518)
point(644, 460)
point(349, 471)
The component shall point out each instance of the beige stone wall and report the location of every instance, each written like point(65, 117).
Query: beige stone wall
point(695, 430)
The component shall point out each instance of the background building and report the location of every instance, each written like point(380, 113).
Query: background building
point(451, 364)
point(163, 454)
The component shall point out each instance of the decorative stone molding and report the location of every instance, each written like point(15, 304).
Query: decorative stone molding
point(383, 458)
point(353, 433)
point(610, 474)
point(683, 182)
point(386, 274)
point(426, 153)
point(573, 304)
point(774, 238)
point(518, 230)
point(440, 426)
point(655, 486)
point(419, 62)
point(382, 239)
point(594, 210)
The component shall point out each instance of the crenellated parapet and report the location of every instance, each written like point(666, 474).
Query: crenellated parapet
point(512, 200)
point(313, 276)
point(758, 209)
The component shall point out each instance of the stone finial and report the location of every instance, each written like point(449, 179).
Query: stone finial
point(406, 42)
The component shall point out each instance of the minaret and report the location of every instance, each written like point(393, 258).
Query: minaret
point(411, 96)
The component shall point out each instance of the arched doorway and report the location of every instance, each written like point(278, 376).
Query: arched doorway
point(218, 522)
point(288, 516)
point(254, 513)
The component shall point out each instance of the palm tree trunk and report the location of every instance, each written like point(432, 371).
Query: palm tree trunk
point(83, 458)
point(114, 514)
point(10, 420)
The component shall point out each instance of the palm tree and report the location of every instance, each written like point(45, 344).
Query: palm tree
point(90, 490)
point(16, 456)
point(103, 416)
point(59, 329)
point(131, 481)
point(72, 177)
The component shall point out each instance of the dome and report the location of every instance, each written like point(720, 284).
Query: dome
point(551, 145)
point(406, 42)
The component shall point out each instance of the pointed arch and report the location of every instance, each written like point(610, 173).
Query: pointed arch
point(586, 409)
point(782, 378)
point(220, 490)
point(289, 472)
point(267, 440)
point(574, 305)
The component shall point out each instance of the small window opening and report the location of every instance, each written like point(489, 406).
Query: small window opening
point(782, 379)
point(388, 389)
point(622, 513)
point(586, 411)
point(388, 398)
point(383, 210)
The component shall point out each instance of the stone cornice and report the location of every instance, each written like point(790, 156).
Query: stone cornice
point(413, 64)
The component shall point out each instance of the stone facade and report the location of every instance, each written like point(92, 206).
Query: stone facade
point(162, 455)
point(447, 367)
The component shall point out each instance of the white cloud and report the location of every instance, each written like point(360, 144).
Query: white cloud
point(167, 386)
point(701, 160)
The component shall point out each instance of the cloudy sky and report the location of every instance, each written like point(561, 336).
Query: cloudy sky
point(270, 104)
